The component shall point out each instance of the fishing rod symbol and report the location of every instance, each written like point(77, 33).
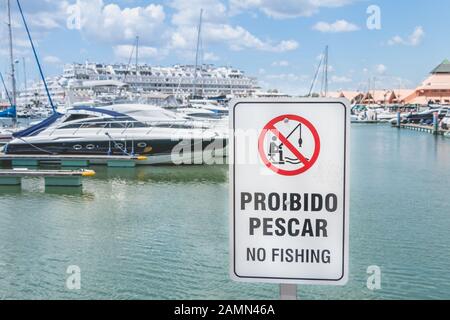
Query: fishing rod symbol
point(277, 148)
point(274, 150)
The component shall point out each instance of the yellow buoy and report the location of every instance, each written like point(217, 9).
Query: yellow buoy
point(88, 173)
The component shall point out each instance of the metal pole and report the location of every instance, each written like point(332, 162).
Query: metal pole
point(36, 57)
point(6, 89)
point(313, 84)
point(11, 55)
point(137, 54)
point(288, 292)
point(326, 72)
point(25, 80)
point(435, 123)
point(198, 48)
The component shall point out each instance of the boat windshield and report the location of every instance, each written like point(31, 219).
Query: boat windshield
point(75, 117)
point(123, 123)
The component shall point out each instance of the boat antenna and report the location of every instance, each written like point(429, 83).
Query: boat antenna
point(199, 34)
point(36, 57)
point(13, 99)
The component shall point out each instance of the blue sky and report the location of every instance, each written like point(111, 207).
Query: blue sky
point(279, 42)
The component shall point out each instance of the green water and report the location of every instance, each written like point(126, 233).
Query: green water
point(162, 232)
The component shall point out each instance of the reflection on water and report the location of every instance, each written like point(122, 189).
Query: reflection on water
point(64, 190)
point(162, 232)
point(165, 174)
point(5, 190)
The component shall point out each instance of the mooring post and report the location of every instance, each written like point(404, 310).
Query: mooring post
point(288, 292)
point(435, 123)
point(399, 120)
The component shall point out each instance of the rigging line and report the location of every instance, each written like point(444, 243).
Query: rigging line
point(6, 89)
point(199, 33)
point(313, 84)
point(124, 151)
point(36, 147)
point(129, 64)
point(128, 69)
point(36, 57)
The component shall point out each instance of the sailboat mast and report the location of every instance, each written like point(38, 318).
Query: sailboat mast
point(11, 56)
point(324, 85)
point(326, 71)
point(25, 79)
point(197, 51)
point(137, 54)
point(50, 100)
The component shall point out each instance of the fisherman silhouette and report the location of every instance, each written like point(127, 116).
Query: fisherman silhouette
point(275, 149)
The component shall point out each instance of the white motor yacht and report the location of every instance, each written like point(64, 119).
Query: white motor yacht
point(128, 129)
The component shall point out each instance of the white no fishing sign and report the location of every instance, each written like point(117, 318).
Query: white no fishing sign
point(289, 190)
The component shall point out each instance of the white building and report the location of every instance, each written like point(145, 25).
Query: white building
point(178, 79)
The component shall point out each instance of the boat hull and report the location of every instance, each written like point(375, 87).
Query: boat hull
point(161, 151)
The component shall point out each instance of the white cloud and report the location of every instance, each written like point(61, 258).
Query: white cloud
point(124, 51)
point(180, 41)
point(414, 39)
point(283, 76)
point(287, 45)
point(396, 40)
point(336, 27)
point(340, 79)
point(43, 15)
point(281, 63)
point(187, 13)
point(287, 8)
point(381, 69)
point(236, 37)
point(291, 83)
point(52, 60)
point(112, 24)
point(210, 56)
point(216, 29)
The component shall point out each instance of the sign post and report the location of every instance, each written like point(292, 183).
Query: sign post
point(289, 161)
point(288, 292)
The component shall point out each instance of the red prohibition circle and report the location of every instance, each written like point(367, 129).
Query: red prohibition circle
point(270, 127)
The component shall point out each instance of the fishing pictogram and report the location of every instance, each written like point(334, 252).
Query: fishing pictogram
point(289, 145)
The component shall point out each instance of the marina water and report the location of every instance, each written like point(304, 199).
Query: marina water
point(162, 232)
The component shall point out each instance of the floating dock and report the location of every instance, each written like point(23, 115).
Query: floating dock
point(79, 161)
point(427, 129)
point(52, 178)
point(366, 121)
